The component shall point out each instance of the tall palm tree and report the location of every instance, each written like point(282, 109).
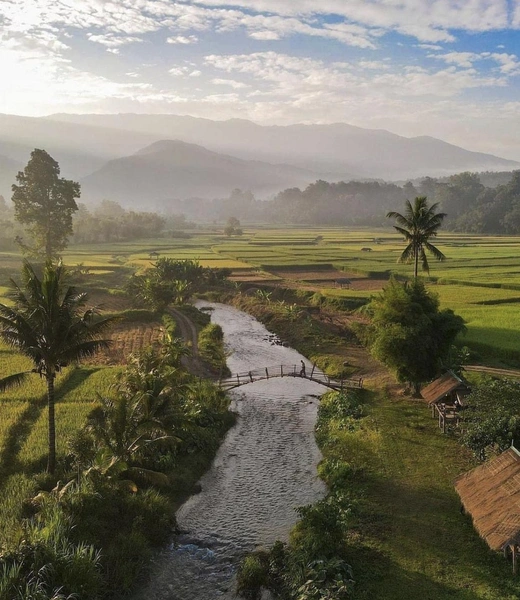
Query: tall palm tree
point(48, 325)
point(419, 223)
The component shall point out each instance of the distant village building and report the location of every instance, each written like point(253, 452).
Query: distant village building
point(445, 396)
point(490, 493)
point(343, 281)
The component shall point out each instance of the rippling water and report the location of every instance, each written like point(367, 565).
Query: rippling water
point(265, 468)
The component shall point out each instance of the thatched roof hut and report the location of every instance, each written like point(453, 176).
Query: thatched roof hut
point(448, 388)
point(490, 493)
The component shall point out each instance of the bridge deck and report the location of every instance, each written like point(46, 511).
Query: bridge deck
point(279, 371)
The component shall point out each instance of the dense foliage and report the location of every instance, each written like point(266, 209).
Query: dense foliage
point(409, 333)
point(491, 417)
point(110, 222)
point(44, 202)
point(171, 281)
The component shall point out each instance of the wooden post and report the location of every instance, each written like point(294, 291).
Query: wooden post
point(266, 373)
point(250, 377)
point(281, 370)
point(313, 367)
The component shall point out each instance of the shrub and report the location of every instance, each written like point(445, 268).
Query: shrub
point(253, 575)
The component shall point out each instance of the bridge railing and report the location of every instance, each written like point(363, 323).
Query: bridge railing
point(312, 373)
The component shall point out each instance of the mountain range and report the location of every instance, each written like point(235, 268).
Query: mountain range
point(143, 160)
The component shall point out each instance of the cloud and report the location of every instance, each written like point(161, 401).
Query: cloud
point(182, 39)
point(507, 64)
point(111, 41)
point(237, 85)
point(427, 20)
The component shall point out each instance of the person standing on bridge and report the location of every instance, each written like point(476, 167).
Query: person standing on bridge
point(302, 370)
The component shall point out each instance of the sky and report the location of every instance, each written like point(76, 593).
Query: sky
point(444, 68)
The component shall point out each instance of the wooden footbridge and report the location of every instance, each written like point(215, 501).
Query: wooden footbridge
point(278, 371)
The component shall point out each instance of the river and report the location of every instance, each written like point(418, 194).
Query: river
point(265, 467)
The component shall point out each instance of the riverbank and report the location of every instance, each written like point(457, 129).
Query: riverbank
point(406, 537)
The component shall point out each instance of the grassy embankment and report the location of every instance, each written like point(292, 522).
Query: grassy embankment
point(405, 538)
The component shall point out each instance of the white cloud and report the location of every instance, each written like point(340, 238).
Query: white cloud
point(516, 14)
point(461, 59)
point(182, 39)
point(111, 41)
point(237, 85)
point(373, 65)
point(507, 64)
point(429, 46)
point(427, 20)
point(265, 35)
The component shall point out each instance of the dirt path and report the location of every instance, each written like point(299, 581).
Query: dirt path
point(493, 370)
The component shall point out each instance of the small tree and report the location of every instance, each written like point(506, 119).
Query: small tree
point(47, 324)
point(409, 333)
point(45, 203)
point(233, 227)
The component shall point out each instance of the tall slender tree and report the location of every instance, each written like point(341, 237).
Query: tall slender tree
point(419, 223)
point(45, 203)
point(49, 325)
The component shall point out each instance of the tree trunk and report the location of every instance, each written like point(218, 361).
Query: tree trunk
point(51, 462)
point(416, 264)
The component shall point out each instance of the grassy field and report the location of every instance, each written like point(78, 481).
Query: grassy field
point(409, 539)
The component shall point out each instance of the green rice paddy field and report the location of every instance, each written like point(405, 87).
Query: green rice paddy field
point(480, 279)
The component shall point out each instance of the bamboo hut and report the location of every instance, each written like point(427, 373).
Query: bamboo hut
point(445, 396)
point(490, 493)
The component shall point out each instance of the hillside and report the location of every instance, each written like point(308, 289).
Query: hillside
point(79, 149)
point(171, 169)
point(337, 148)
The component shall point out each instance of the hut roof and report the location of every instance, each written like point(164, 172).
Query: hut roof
point(491, 494)
point(441, 387)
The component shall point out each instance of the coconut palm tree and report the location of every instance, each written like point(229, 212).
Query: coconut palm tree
point(419, 223)
point(47, 324)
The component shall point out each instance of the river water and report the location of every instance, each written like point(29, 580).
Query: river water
point(265, 467)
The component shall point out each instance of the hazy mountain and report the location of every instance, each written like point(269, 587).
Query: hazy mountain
point(79, 149)
point(337, 148)
point(171, 169)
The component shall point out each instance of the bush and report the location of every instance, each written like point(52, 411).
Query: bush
point(211, 348)
point(253, 575)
